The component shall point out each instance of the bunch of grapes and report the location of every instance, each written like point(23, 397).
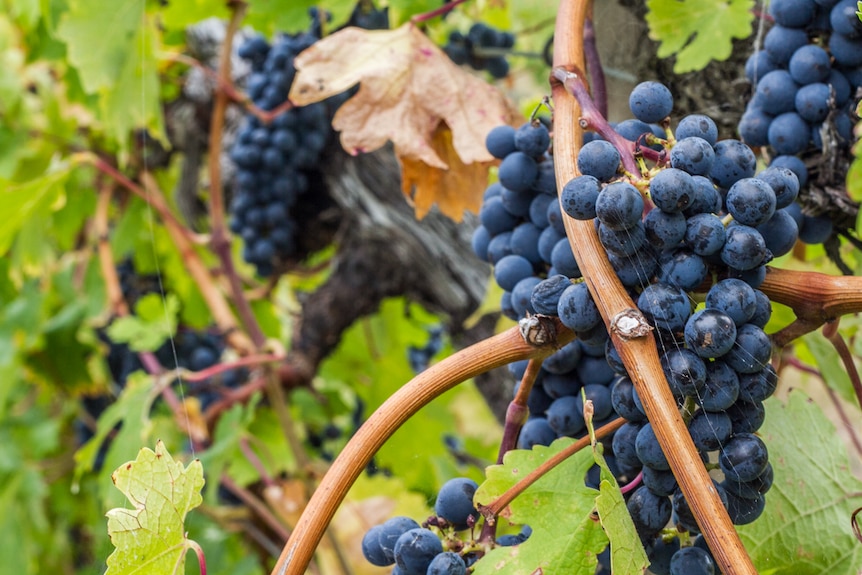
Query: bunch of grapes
point(700, 212)
point(806, 79)
point(482, 48)
point(274, 161)
point(434, 548)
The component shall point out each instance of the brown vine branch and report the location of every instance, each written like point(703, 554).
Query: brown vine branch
point(494, 352)
point(830, 332)
point(638, 353)
point(516, 413)
point(494, 508)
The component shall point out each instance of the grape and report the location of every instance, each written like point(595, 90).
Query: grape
point(371, 549)
point(546, 295)
point(784, 184)
point(752, 350)
point(455, 501)
point(779, 233)
point(497, 66)
point(599, 159)
point(847, 51)
point(539, 211)
point(751, 489)
point(710, 333)
point(510, 270)
point(838, 82)
point(565, 416)
point(744, 248)
point(758, 65)
point(793, 164)
point(697, 125)
point(579, 196)
point(594, 369)
point(789, 133)
point(683, 269)
point(388, 535)
point(632, 129)
point(751, 201)
point(746, 417)
point(744, 511)
point(733, 161)
point(525, 242)
point(536, 432)
point(619, 206)
point(577, 310)
point(623, 242)
point(521, 296)
point(447, 563)
point(733, 297)
point(809, 64)
point(635, 270)
point(650, 102)
point(705, 234)
point(516, 203)
point(563, 360)
point(664, 230)
point(693, 155)
point(844, 20)
point(415, 550)
point(499, 247)
point(666, 307)
point(757, 386)
point(517, 171)
point(721, 388)
point(546, 179)
point(815, 229)
point(691, 561)
point(672, 190)
point(648, 449)
point(558, 385)
point(563, 259)
point(624, 444)
point(547, 242)
point(622, 400)
point(533, 139)
point(776, 93)
point(684, 515)
point(685, 372)
point(709, 429)
point(743, 458)
point(600, 395)
point(660, 556)
point(781, 42)
point(649, 512)
point(494, 216)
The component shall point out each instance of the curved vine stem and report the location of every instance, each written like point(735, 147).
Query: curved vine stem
point(638, 351)
point(494, 352)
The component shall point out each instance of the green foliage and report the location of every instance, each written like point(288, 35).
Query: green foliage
point(698, 31)
point(150, 538)
point(154, 322)
point(805, 528)
point(559, 507)
point(828, 362)
point(31, 200)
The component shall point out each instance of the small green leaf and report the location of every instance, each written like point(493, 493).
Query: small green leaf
point(24, 201)
point(698, 31)
point(567, 537)
point(155, 321)
point(627, 552)
point(805, 528)
point(150, 538)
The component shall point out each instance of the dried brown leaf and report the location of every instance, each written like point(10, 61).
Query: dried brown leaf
point(408, 86)
point(455, 189)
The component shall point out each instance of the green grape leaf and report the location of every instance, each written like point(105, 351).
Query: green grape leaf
point(23, 202)
point(627, 552)
point(150, 538)
point(179, 14)
point(697, 31)
point(829, 363)
point(155, 321)
point(559, 507)
point(805, 528)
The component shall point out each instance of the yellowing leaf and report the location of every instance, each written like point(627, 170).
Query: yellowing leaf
point(408, 87)
point(150, 538)
point(458, 188)
point(697, 31)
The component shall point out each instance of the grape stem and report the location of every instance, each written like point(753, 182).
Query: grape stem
point(444, 9)
point(493, 352)
point(199, 552)
point(592, 118)
point(495, 507)
point(594, 67)
point(830, 332)
point(639, 355)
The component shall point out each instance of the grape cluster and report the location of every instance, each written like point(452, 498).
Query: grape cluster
point(700, 214)
point(805, 80)
point(420, 357)
point(418, 550)
point(482, 48)
point(274, 161)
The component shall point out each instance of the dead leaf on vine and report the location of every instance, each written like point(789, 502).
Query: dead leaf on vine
point(454, 190)
point(408, 88)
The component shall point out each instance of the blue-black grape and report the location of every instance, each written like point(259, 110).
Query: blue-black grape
point(709, 429)
point(415, 550)
point(650, 102)
point(664, 230)
point(751, 351)
point(455, 501)
point(447, 563)
point(746, 416)
point(684, 370)
point(672, 190)
point(565, 416)
point(649, 512)
point(691, 561)
point(577, 310)
point(579, 196)
point(666, 307)
point(599, 159)
point(517, 171)
point(751, 201)
point(744, 248)
point(648, 449)
point(624, 444)
point(682, 268)
point(721, 388)
point(710, 333)
point(619, 206)
point(705, 234)
point(759, 385)
point(733, 297)
point(693, 155)
point(744, 457)
point(699, 126)
point(733, 161)
point(510, 270)
point(533, 139)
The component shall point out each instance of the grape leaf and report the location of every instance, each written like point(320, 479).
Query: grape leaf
point(155, 321)
point(697, 31)
point(24, 201)
point(408, 87)
point(567, 536)
point(627, 551)
point(151, 537)
point(454, 190)
point(829, 363)
point(805, 528)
